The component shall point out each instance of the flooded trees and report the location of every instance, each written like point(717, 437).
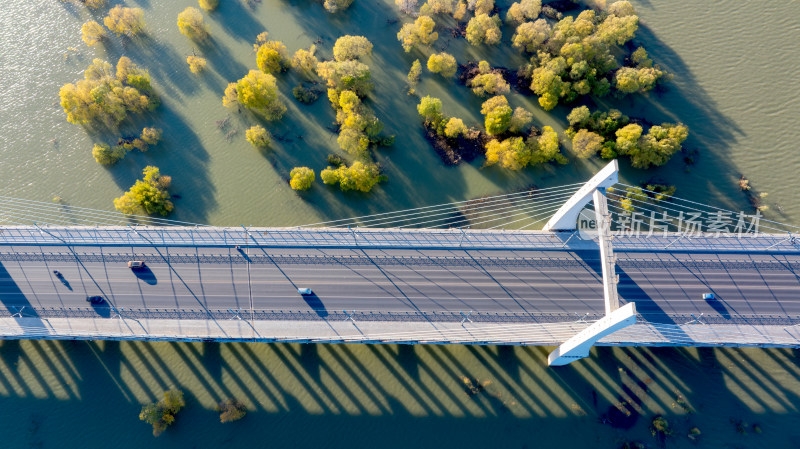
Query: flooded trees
point(334, 6)
point(612, 134)
point(359, 176)
point(231, 410)
point(642, 77)
point(258, 136)
point(190, 23)
point(413, 76)
point(257, 91)
point(497, 115)
point(271, 56)
point(529, 36)
point(442, 63)
point(351, 47)
point(301, 178)
point(148, 196)
point(162, 413)
point(105, 97)
point(488, 81)
point(196, 63)
point(93, 33)
point(484, 29)
point(420, 32)
point(125, 21)
point(208, 5)
point(106, 155)
point(305, 63)
point(523, 10)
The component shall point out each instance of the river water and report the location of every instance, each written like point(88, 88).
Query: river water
point(735, 86)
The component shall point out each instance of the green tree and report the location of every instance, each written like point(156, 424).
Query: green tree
point(545, 148)
point(629, 80)
point(351, 47)
point(257, 91)
point(93, 33)
point(579, 117)
point(523, 10)
point(208, 5)
point(148, 196)
point(442, 63)
point(271, 57)
point(162, 413)
point(587, 143)
point(420, 32)
point(190, 23)
point(497, 115)
point(483, 29)
point(481, 6)
point(359, 176)
point(125, 21)
point(548, 84)
point(302, 178)
point(258, 136)
point(334, 6)
point(430, 109)
point(413, 76)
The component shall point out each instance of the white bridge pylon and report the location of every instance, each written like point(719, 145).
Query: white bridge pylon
point(566, 219)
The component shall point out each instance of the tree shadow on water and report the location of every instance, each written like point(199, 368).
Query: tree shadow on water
point(180, 155)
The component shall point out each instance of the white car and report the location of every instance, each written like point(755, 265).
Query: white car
point(305, 291)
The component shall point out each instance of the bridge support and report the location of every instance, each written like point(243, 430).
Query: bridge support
point(607, 258)
point(566, 218)
point(578, 346)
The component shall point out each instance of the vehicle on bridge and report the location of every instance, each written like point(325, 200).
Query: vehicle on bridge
point(135, 264)
point(709, 296)
point(305, 291)
point(95, 299)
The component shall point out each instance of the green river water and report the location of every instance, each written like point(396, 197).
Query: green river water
point(735, 86)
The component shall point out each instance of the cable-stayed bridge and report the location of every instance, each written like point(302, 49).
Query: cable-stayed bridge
point(569, 266)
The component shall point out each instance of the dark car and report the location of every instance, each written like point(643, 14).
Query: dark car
point(95, 299)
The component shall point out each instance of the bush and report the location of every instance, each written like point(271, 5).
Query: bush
point(304, 94)
point(148, 196)
point(302, 178)
point(258, 136)
point(196, 63)
point(420, 32)
point(125, 21)
point(442, 63)
point(162, 413)
point(231, 410)
point(93, 33)
point(190, 22)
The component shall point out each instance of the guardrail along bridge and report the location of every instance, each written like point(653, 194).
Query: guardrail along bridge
point(613, 265)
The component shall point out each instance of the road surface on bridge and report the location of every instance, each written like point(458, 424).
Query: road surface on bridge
point(667, 287)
